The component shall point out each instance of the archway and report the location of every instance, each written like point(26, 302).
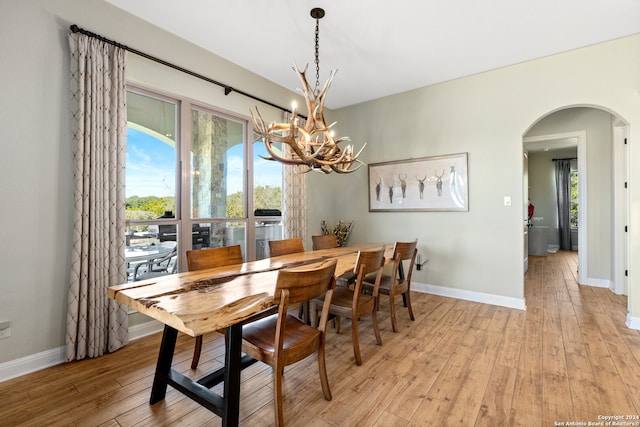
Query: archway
point(599, 137)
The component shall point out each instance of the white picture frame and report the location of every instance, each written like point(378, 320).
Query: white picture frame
point(438, 183)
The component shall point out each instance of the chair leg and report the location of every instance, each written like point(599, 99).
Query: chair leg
point(278, 376)
point(324, 380)
point(408, 301)
point(196, 352)
point(337, 321)
point(376, 328)
point(392, 314)
point(356, 341)
point(313, 315)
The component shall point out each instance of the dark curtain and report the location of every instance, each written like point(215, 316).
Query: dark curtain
point(563, 194)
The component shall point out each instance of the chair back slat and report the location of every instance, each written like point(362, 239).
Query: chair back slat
point(306, 283)
point(286, 246)
point(324, 241)
point(403, 251)
point(368, 262)
point(371, 260)
point(200, 259)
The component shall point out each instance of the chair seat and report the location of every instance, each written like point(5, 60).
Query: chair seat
point(342, 302)
point(385, 284)
point(300, 339)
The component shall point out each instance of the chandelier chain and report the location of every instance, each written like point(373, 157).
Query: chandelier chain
point(317, 40)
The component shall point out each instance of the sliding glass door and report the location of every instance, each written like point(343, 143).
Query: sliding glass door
point(152, 185)
point(194, 180)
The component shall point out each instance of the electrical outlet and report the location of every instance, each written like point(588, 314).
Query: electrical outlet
point(5, 329)
point(5, 333)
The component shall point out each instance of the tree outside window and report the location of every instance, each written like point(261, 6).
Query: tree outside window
point(573, 211)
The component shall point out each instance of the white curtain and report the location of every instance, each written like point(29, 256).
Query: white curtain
point(95, 323)
point(294, 210)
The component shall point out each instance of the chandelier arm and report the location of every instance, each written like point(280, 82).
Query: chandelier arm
point(322, 94)
point(259, 124)
point(283, 159)
point(359, 152)
point(348, 170)
point(292, 143)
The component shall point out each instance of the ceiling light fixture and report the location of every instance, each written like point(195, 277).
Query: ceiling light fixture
point(312, 145)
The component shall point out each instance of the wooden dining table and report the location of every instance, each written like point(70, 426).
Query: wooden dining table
point(204, 301)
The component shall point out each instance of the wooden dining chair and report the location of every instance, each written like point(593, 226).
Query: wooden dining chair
point(324, 241)
point(399, 282)
point(285, 246)
point(283, 339)
point(209, 258)
point(353, 303)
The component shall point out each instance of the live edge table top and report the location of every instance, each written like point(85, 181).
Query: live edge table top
point(203, 301)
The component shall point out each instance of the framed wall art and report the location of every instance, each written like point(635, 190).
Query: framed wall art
point(438, 183)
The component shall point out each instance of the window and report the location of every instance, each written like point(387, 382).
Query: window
point(210, 199)
point(267, 199)
point(573, 210)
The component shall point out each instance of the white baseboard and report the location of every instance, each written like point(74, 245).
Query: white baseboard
point(35, 362)
point(144, 329)
point(553, 248)
point(517, 303)
point(599, 283)
point(633, 322)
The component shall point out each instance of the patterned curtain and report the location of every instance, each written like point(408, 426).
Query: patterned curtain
point(95, 323)
point(294, 210)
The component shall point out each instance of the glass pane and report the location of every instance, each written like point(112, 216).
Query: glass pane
point(573, 212)
point(217, 166)
point(267, 199)
point(151, 187)
point(265, 231)
point(151, 251)
point(218, 234)
point(151, 157)
point(267, 182)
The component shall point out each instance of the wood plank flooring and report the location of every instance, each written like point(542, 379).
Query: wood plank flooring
point(569, 357)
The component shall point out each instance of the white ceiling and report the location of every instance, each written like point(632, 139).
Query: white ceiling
point(381, 47)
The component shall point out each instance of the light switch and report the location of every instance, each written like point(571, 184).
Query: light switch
point(507, 200)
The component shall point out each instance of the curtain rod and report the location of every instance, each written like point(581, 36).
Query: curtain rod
point(227, 89)
point(566, 158)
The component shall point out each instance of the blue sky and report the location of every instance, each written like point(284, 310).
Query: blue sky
point(151, 167)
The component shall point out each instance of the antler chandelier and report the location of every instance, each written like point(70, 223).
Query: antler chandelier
point(312, 145)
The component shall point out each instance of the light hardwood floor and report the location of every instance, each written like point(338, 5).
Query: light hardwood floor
point(568, 357)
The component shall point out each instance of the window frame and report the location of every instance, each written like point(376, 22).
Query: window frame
point(183, 219)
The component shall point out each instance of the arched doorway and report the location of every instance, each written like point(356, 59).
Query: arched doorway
point(597, 137)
